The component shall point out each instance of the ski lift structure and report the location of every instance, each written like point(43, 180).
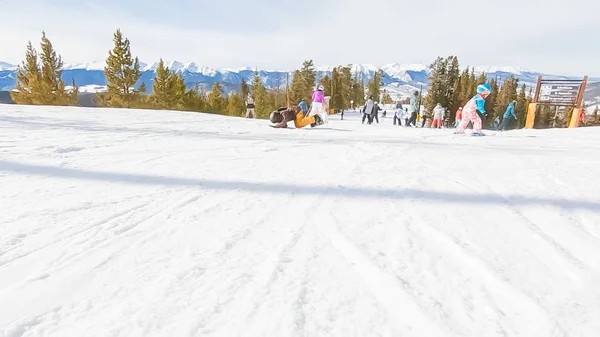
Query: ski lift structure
point(558, 93)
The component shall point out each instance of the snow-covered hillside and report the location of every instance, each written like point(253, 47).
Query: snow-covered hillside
point(148, 223)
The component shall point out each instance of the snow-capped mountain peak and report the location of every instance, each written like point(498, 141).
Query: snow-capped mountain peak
point(7, 66)
point(95, 65)
point(500, 69)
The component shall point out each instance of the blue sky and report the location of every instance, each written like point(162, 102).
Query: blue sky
point(550, 36)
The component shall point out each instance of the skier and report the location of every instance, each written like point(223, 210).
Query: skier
point(472, 108)
point(458, 117)
point(367, 110)
point(398, 114)
point(284, 115)
point(375, 114)
point(413, 109)
point(318, 102)
point(438, 115)
point(250, 106)
point(509, 114)
point(424, 115)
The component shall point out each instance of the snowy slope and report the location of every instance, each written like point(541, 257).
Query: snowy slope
point(148, 223)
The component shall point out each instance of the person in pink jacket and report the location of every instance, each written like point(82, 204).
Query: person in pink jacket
point(318, 102)
point(471, 109)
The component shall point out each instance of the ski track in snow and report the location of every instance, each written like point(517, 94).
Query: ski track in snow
point(159, 223)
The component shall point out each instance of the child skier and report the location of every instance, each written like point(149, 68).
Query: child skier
point(471, 109)
point(284, 115)
point(458, 117)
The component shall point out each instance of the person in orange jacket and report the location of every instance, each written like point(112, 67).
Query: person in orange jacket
point(284, 115)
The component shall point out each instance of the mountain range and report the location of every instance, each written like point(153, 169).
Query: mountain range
point(399, 79)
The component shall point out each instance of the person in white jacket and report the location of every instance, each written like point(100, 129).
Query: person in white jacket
point(250, 107)
point(398, 114)
point(438, 116)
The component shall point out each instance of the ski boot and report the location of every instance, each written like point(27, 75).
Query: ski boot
point(318, 121)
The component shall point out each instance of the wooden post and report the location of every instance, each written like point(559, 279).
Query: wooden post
point(532, 108)
point(287, 92)
point(329, 112)
point(577, 111)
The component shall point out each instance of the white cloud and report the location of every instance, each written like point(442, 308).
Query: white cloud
point(533, 34)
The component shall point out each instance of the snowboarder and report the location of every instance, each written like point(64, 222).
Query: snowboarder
point(318, 102)
point(458, 117)
point(509, 114)
point(285, 115)
point(250, 106)
point(472, 109)
point(438, 116)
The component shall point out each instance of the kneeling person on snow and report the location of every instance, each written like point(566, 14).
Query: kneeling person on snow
point(472, 108)
point(284, 115)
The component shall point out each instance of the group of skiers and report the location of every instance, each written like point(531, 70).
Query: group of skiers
point(470, 114)
point(370, 111)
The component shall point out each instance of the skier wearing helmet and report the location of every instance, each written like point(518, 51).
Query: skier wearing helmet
point(472, 108)
point(318, 100)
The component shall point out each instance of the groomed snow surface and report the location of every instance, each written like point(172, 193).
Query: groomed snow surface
point(150, 223)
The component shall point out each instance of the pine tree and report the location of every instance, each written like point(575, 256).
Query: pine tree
point(235, 105)
point(52, 86)
point(161, 88)
point(28, 80)
point(490, 102)
point(122, 72)
point(437, 84)
point(345, 87)
point(507, 93)
point(261, 99)
point(374, 86)
point(74, 94)
point(386, 98)
point(178, 88)
point(308, 77)
point(42, 85)
point(193, 100)
point(216, 101)
point(482, 79)
point(244, 89)
point(297, 88)
point(521, 106)
point(357, 91)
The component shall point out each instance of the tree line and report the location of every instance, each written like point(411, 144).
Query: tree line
point(39, 83)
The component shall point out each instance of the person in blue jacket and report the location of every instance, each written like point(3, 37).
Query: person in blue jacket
point(302, 105)
point(472, 109)
point(509, 114)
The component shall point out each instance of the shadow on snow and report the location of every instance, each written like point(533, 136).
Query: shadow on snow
point(284, 188)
